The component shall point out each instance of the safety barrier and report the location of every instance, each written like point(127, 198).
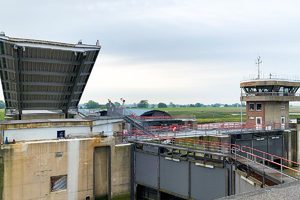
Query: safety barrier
point(271, 164)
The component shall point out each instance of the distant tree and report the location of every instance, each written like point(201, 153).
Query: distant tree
point(216, 105)
point(191, 105)
point(2, 104)
point(162, 105)
point(152, 106)
point(91, 105)
point(172, 105)
point(143, 104)
point(199, 105)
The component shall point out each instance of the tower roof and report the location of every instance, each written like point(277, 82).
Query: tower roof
point(270, 82)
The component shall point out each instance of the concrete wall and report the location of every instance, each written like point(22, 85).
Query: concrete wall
point(43, 116)
point(121, 171)
point(275, 110)
point(108, 126)
point(102, 172)
point(271, 113)
point(46, 131)
point(243, 184)
point(29, 166)
point(252, 114)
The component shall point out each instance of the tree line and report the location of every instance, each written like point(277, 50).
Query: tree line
point(145, 104)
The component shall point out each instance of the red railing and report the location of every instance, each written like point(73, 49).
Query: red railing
point(238, 125)
point(227, 126)
point(237, 151)
point(160, 117)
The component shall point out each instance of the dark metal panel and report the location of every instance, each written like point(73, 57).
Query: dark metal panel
point(146, 172)
point(247, 143)
point(260, 143)
point(275, 145)
point(208, 183)
point(174, 177)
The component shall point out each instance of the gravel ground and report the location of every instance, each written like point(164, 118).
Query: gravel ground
point(289, 191)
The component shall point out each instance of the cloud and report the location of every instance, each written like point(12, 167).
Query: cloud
point(185, 51)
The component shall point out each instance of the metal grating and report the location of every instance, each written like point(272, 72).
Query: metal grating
point(42, 75)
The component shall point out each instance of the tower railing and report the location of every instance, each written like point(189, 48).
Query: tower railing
point(270, 94)
point(272, 77)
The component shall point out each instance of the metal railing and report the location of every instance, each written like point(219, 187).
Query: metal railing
point(272, 77)
point(281, 94)
point(227, 126)
point(275, 166)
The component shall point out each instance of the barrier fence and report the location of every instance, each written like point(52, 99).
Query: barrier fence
point(271, 164)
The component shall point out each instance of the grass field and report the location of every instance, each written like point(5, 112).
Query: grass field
point(2, 114)
point(208, 114)
point(214, 114)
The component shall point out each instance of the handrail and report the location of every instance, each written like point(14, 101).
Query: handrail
point(228, 147)
point(271, 155)
point(265, 159)
point(283, 94)
point(238, 125)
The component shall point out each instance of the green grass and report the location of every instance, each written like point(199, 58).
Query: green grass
point(2, 114)
point(208, 114)
point(214, 114)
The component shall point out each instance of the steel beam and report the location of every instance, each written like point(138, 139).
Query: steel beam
point(62, 93)
point(46, 73)
point(48, 61)
point(54, 84)
point(81, 58)
point(17, 64)
point(43, 108)
point(87, 79)
point(41, 92)
point(45, 101)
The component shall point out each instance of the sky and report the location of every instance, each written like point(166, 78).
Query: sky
point(167, 51)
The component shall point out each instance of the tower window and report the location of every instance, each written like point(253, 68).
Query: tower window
point(282, 120)
point(251, 106)
point(258, 106)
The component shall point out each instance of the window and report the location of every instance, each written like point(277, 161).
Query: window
point(282, 120)
point(58, 183)
point(251, 106)
point(61, 134)
point(258, 120)
point(258, 106)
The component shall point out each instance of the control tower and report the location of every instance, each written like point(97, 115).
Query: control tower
point(267, 101)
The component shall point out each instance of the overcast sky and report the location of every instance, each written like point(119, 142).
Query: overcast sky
point(180, 51)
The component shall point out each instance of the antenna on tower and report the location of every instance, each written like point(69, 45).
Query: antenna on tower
point(258, 62)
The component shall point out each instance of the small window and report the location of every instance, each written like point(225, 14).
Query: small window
point(282, 120)
point(258, 106)
point(258, 120)
point(58, 183)
point(61, 134)
point(251, 106)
